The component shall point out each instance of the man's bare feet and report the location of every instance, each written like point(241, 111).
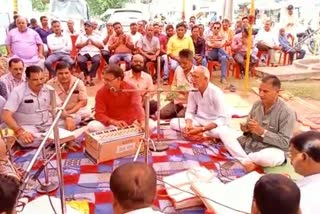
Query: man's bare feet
point(249, 166)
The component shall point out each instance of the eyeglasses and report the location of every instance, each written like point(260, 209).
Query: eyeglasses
point(107, 80)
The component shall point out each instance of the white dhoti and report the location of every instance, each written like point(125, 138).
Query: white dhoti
point(268, 157)
point(95, 126)
point(81, 114)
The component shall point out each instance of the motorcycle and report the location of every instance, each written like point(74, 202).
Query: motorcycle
point(311, 38)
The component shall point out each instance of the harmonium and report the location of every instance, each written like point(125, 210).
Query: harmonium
point(113, 143)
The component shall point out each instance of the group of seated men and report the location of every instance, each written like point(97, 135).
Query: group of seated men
point(220, 42)
point(134, 185)
point(264, 140)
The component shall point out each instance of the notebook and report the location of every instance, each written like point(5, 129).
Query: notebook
point(184, 197)
point(237, 194)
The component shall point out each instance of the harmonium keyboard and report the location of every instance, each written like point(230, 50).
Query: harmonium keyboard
point(113, 143)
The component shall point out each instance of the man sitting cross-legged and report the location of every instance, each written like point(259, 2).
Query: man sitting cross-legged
point(62, 84)
point(141, 80)
point(27, 110)
point(267, 131)
point(115, 107)
point(206, 112)
point(181, 81)
point(133, 186)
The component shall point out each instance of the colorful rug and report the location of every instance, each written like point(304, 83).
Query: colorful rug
point(85, 180)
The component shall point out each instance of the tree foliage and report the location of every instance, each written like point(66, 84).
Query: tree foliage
point(40, 5)
point(97, 7)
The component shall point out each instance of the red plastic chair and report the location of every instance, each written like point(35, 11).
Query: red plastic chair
point(212, 64)
point(260, 53)
point(286, 59)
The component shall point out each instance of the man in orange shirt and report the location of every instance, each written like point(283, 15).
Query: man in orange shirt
point(115, 107)
point(121, 45)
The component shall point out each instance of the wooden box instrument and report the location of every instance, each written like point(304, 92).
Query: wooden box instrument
point(114, 143)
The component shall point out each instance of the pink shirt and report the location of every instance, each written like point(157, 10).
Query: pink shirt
point(238, 44)
point(24, 44)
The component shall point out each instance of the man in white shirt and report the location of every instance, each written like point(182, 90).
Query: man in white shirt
point(15, 75)
point(267, 40)
point(181, 81)
point(134, 34)
point(95, 26)
point(206, 112)
point(304, 153)
point(290, 21)
point(90, 46)
point(140, 79)
point(133, 186)
point(70, 28)
point(60, 46)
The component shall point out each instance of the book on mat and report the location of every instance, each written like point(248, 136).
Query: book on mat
point(64, 135)
point(237, 194)
point(178, 187)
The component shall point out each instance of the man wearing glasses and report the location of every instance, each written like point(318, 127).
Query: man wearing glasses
point(304, 153)
point(115, 107)
point(215, 45)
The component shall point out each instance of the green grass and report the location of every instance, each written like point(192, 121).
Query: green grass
point(3, 50)
point(308, 89)
point(303, 89)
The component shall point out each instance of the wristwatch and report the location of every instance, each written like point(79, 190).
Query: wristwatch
point(264, 132)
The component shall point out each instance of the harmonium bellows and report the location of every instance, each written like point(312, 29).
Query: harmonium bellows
point(113, 143)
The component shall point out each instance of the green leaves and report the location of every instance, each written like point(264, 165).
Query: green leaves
point(39, 5)
point(97, 7)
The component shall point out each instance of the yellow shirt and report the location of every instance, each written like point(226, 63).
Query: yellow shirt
point(175, 45)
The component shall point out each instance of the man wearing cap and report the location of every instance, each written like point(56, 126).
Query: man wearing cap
point(289, 21)
point(90, 45)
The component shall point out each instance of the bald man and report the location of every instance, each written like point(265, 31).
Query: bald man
point(133, 186)
point(207, 113)
point(71, 30)
point(25, 43)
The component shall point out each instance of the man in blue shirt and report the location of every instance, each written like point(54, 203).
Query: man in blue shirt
point(287, 47)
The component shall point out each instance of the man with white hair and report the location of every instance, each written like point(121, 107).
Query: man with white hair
point(71, 30)
point(206, 112)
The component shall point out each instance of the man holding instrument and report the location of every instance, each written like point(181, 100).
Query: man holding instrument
point(117, 103)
